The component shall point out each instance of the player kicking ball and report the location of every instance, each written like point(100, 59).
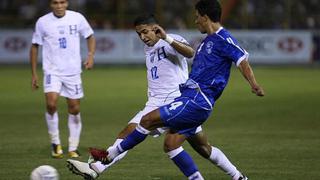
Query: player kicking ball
point(164, 64)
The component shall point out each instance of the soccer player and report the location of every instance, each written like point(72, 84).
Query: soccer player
point(58, 32)
point(166, 69)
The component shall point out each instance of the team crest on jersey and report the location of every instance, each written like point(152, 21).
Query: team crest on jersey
point(61, 29)
point(152, 57)
point(209, 46)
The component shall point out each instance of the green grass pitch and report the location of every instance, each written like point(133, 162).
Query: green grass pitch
point(276, 137)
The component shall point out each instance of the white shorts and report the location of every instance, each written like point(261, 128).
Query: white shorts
point(155, 133)
point(66, 86)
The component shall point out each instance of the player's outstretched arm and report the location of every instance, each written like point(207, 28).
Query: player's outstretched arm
point(33, 61)
point(91, 43)
point(182, 48)
point(247, 72)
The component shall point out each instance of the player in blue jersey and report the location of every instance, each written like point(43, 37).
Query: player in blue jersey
point(208, 78)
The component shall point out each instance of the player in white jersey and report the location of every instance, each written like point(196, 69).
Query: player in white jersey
point(166, 69)
point(58, 32)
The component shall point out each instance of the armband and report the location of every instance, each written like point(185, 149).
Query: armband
point(169, 39)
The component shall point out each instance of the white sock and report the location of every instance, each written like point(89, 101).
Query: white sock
point(53, 127)
point(175, 152)
point(218, 158)
point(196, 176)
point(75, 125)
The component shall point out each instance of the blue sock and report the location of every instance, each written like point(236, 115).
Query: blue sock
point(132, 140)
point(185, 163)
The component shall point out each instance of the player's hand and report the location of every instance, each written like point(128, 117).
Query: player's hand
point(257, 90)
point(88, 64)
point(160, 32)
point(34, 83)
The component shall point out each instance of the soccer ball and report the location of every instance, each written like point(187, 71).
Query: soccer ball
point(44, 172)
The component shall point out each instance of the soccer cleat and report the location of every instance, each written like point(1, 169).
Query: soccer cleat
point(99, 155)
point(74, 154)
point(56, 151)
point(82, 169)
point(243, 177)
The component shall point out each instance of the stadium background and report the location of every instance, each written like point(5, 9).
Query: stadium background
point(275, 137)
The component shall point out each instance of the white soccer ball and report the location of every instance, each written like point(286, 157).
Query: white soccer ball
point(44, 172)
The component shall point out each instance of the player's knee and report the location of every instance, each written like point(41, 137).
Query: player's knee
point(146, 122)
point(51, 108)
point(169, 146)
point(74, 109)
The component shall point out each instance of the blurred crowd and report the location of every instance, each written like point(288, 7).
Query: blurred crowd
point(276, 14)
point(172, 14)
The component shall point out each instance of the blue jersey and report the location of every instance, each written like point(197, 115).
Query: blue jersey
point(212, 62)
point(208, 77)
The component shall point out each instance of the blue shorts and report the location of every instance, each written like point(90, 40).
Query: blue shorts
point(183, 115)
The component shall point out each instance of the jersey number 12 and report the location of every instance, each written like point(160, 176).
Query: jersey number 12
point(154, 74)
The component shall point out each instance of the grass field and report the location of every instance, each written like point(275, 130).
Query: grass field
point(276, 137)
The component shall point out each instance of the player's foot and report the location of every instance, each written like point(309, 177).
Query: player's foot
point(74, 154)
point(82, 169)
point(99, 155)
point(56, 151)
point(240, 176)
point(243, 177)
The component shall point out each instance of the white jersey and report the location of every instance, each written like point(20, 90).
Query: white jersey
point(166, 69)
point(60, 40)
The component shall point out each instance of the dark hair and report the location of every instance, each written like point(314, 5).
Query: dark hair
point(145, 19)
point(211, 8)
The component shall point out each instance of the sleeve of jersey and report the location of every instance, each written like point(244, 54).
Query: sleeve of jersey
point(86, 29)
point(235, 53)
point(37, 34)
